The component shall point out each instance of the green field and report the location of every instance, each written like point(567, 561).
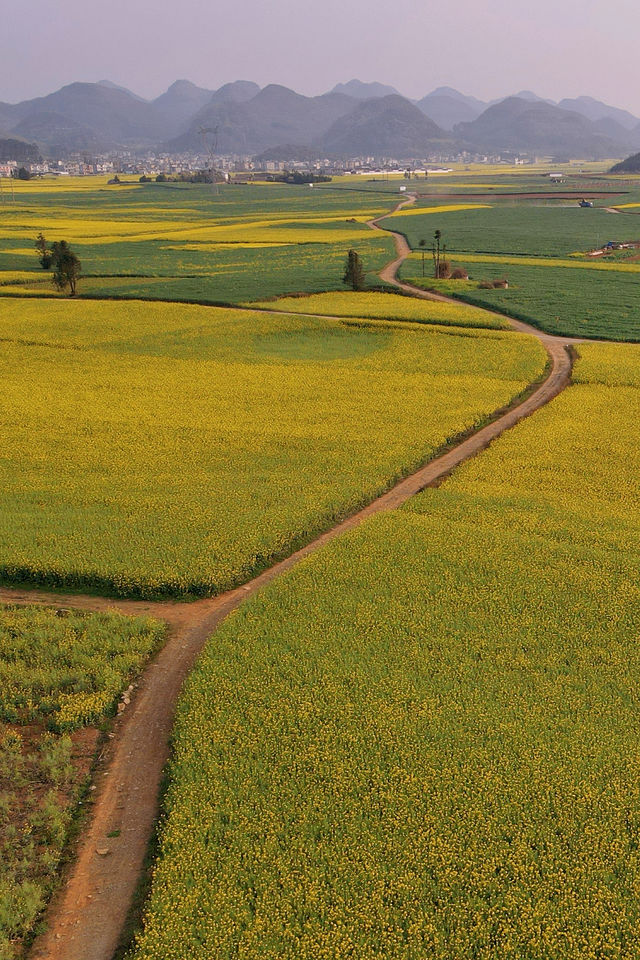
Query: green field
point(422, 742)
point(164, 449)
point(59, 671)
point(570, 302)
point(565, 292)
point(183, 242)
point(529, 228)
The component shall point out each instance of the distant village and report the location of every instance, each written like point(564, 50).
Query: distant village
point(233, 167)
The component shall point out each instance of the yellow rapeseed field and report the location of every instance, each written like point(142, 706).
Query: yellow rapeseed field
point(387, 306)
point(423, 741)
point(115, 231)
point(171, 449)
point(442, 208)
point(584, 264)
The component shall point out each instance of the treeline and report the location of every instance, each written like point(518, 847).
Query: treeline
point(190, 176)
point(205, 176)
point(298, 176)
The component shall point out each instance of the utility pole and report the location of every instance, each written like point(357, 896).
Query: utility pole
point(210, 143)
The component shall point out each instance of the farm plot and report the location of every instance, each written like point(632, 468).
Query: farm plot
point(61, 673)
point(537, 248)
point(423, 741)
point(385, 306)
point(171, 450)
point(556, 229)
point(182, 242)
point(603, 304)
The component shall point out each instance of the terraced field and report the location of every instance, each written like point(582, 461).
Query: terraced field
point(435, 750)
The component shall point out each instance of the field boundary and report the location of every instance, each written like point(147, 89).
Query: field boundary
point(87, 916)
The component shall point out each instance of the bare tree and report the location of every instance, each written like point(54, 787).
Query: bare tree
point(422, 245)
point(439, 251)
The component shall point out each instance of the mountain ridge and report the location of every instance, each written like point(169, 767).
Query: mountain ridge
point(248, 120)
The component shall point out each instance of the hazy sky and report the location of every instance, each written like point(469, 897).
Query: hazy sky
point(556, 47)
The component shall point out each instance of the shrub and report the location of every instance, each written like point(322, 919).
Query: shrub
point(459, 274)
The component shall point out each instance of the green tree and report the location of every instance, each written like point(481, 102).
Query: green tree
point(66, 267)
point(44, 254)
point(354, 271)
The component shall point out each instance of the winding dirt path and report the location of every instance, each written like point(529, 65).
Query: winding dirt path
point(554, 345)
point(85, 919)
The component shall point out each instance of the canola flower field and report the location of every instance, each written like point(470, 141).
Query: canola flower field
point(185, 242)
point(163, 449)
point(386, 306)
point(59, 671)
point(580, 262)
point(422, 742)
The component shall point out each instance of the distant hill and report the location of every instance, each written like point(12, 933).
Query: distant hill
point(114, 116)
point(629, 139)
point(288, 151)
point(630, 165)
point(116, 86)
point(99, 117)
point(520, 125)
point(8, 115)
point(177, 105)
point(447, 107)
point(103, 116)
point(390, 126)
point(363, 91)
point(184, 100)
point(528, 95)
point(59, 134)
point(596, 110)
point(276, 115)
point(240, 91)
point(19, 150)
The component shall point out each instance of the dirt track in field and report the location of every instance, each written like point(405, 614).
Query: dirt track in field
point(86, 918)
